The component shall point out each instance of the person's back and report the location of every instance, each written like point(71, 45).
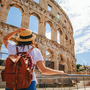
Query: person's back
point(25, 41)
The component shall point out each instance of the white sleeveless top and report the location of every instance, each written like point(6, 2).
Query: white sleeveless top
point(35, 53)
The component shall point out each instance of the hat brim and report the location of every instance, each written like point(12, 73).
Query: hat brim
point(26, 40)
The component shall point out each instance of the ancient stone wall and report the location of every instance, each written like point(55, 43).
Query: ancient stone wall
point(62, 53)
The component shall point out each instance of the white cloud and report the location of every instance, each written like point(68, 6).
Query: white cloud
point(82, 39)
point(78, 12)
point(77, 33)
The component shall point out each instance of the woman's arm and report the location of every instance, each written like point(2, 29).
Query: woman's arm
point(48, 71)
point(8, 36)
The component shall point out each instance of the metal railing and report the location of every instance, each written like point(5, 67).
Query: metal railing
point(62, 82)
point(3, 55)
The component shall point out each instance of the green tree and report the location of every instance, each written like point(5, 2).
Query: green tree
point(77, 66)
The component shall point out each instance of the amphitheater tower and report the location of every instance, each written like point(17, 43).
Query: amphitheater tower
point(61, 54)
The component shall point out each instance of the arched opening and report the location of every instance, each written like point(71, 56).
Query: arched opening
point(34, 23)
point(58, 37)
point(48, 58)
point(14, 17)
point(61, 61)
point(48, 31)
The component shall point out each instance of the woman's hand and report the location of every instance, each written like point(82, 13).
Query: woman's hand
point(20, 29)
point(8, 36)
point(62, 73)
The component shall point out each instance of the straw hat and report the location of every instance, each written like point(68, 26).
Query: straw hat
point(25, 36)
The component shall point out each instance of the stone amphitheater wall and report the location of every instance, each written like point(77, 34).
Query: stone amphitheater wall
point(62, 53)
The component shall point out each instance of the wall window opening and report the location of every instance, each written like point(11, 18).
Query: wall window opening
point(48, 31)
point(48, 58)
point(64, 21)
point(37, 1)
point(58, 37)
point(33, 24)
point(14, 17)
point(58, 15)
point(49, 7)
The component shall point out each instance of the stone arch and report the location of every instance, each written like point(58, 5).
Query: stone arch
point(60, 31)
point(50, 23)
point(49, 59)
point(62, 57)
point(18, 6)
point(36, 15)
point(12, 17)
point(50, 54)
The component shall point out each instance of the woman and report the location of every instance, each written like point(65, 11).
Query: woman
point(25, 42)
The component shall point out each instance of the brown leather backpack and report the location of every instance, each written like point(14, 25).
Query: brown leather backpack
point(17, 73)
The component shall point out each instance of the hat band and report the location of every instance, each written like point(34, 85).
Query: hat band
point(26, 37)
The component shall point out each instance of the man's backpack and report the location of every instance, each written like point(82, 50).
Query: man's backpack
point(18, 70)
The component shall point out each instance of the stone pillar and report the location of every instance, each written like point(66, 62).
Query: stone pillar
point(44, 53)
point(65, 67)
point(42, 48)
point(41, 28)
point(62, 39)
point(53, 34)
point(55, 59)
point(67, 44)
point(42, 3)
point(70, 64)
point(25, 20)
point(4, 13)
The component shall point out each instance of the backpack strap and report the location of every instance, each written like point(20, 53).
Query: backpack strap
point(16, 50)
point(30, 49)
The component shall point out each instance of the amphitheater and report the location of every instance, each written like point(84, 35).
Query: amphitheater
point(61, 55)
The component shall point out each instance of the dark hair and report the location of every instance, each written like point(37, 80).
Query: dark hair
point(24, 43)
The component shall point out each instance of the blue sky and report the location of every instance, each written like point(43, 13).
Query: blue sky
point(78, 12)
